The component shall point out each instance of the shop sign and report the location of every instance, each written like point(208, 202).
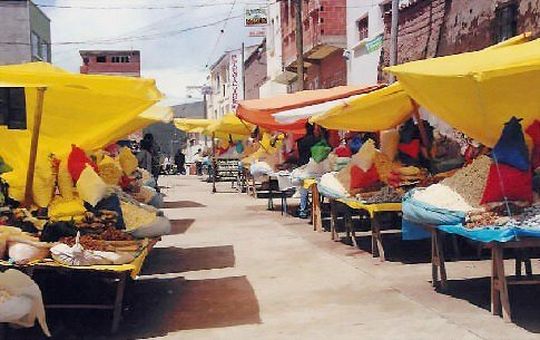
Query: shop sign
point(235, 71)
point(374, 44)
point(256, 16)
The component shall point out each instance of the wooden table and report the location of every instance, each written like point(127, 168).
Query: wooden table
point(119, 273)
point(500, 301)
point(374, 211)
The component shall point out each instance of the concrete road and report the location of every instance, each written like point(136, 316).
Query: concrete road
point(233, 270)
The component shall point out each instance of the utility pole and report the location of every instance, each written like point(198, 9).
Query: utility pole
point(243, 71)
point(394, 37)
point(299, 43)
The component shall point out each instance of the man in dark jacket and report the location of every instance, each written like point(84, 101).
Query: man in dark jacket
point(304, 145)
point(180, 161)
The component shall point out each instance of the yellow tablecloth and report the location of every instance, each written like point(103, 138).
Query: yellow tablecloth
point(134, 267)
point(370, 208)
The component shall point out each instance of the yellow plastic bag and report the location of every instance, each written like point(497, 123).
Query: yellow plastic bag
point(65, 181)
point(110, 170)
point(44, 184)
point(91, 187)
point(128, 161)
point(62, 209)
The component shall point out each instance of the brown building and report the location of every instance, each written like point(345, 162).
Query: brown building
point(432, 28)
point(255, 71)
point(119, 63)
point(325, 38)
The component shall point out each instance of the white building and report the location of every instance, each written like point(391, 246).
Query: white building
point(365, 28)
point(276, 84)
point(226, 82)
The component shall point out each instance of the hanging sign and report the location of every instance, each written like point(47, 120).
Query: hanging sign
point(256, 16)
point(235, 71)
point(374, 44)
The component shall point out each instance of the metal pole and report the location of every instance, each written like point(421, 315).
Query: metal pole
point(205, 116)
point(394, 37)
point(299, 44)
point(243, 71)
point(214, 163)
point(28, 194)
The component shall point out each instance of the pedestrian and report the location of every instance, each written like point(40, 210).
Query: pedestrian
point(197, 158)
point(304, 145)
point(180, 161)
point(153, 149)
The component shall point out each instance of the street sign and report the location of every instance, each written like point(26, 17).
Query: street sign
point(256, 16)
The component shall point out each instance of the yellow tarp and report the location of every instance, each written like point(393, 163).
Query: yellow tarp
point(192, 124)
point(375, 111)
point(478, 92)
point(88, 110)
point(372, 209)
point(230, 124)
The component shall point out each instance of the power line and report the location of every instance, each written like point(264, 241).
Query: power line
point(220, 35)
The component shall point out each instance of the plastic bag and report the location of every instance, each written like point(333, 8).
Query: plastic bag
point(355, 144)
point(19, 311)
point(91, 187)
point(320, 151)
point(22, 253)
point(364, 157)
point(65, 181)
point(389, 143)
point(128, 161)
point(259, 169)
point(62, 209)
point(110, 170)
point(44, 185)
point(363, 179)
point(343, 151)
point(344, 176)
point(507, 182)
point(511, 148)
point(330, 187)
point(77, 161)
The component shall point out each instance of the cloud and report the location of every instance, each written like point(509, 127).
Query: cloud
point(175, 59)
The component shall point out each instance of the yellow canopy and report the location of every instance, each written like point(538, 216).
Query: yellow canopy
point(231, 124)
point(375, 111)
point(192, 124)
point(478, 92)
point(88, 110)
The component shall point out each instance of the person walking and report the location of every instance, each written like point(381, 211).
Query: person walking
point(180, 161)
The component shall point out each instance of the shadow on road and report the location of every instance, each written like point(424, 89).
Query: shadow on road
point(182, 204)
point(180, 260)
point(180, 226)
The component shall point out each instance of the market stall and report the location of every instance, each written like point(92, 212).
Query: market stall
point(71, 199)
point(494, 200)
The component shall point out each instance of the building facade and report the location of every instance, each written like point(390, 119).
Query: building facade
point(25, 33)
point(255, 69)
point(115, 63)
point(365, 32)
point(432, 28)
point(277, 78)
point(324, 38)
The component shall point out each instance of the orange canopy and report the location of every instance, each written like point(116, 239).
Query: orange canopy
point(259, 111)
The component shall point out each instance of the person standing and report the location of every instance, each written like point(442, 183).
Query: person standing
point(304, 145)
point(180, 161)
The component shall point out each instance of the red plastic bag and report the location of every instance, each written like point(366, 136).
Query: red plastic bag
point(363, 179)
point(534, 131)
point(509, 182)
point(77, 161)
point(411, 149)
point(343, 151)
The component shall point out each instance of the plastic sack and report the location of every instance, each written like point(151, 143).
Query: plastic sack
point(28, 303)
point(161, 226)
point(383, 165)
point(511, 148)
point(340, 163)
point(423, 213)
point(65, 181)
point(77, 161)
point(22, 252)
point(320, 151)
point(259, 169)
point(355, 144)
point(239, 148)
point(62, 209)
point(44, 186)
point(128, 161)
point(343, 151)
point(330, 187)
point(110, 170)
point(506, 182)
point(315, 169)
point(534, 132)
point(91, 187)
point(344, 176)
point(364, 157)
point(389, 143)
point(363, 179)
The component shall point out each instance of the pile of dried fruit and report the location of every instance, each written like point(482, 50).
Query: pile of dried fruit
point(483, 219)
point(385, 195)
point(98, 222)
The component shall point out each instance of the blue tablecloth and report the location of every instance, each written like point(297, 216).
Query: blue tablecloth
point(490, 234)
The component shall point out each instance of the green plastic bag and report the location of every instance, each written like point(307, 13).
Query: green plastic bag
point(320, 151)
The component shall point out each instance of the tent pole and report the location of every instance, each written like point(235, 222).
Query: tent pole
point(38, 113)
point(214, 163)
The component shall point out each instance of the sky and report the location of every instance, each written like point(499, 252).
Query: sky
point(175, 49)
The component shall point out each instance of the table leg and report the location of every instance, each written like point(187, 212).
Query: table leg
point(316, 209)
point(377, 248)
point(333, 220)
point(499, 289)
point(270, 197)
point(119, 298)
point(350, 228)
point(437, 261)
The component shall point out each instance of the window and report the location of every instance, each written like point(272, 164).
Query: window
point(101, 59)
point(85, 60)
point(34, 41)
point(13, 107)
point(505, 22)
point(120, 59)
point(45, 51)
point(363, 30)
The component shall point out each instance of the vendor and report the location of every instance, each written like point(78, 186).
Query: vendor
point(304, 145)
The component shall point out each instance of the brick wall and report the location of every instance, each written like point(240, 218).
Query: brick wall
point(430, 28)
point(132, 68)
